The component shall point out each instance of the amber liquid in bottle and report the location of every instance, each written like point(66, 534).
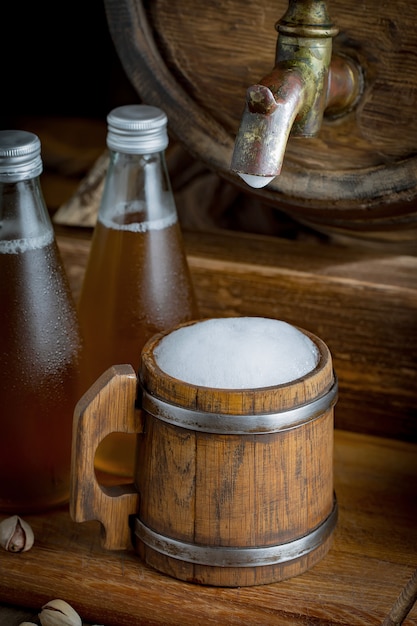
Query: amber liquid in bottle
point(40, 359)
point(147, 289)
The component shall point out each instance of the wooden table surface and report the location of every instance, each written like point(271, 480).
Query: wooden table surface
point(374, 553)
point(373, 556)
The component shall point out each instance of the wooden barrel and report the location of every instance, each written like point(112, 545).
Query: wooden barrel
point(236, 486)
point(195, 59)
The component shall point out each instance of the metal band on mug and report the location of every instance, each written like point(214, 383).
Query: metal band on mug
point(219, 556)
point(219, 423)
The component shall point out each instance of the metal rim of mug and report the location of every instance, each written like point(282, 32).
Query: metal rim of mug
point(219, 423)
point(221, 556)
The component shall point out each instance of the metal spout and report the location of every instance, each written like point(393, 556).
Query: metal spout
point(292, 99)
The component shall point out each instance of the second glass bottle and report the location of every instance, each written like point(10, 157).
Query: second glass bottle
point(137, 281)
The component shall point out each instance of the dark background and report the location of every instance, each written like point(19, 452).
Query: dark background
point(60, 76)
point(58, 59)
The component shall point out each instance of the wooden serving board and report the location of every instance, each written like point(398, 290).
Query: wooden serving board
point(373, 556)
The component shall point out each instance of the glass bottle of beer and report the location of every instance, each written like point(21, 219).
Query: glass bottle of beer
point(137, 281)
point(40, 345)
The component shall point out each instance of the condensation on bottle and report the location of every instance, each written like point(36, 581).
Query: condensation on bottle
point(137, 281)
point(41, 348)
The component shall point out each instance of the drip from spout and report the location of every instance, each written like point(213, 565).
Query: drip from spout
point(255, 181)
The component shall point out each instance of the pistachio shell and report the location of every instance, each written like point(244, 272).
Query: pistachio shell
point(59, 613)
point(16, 535)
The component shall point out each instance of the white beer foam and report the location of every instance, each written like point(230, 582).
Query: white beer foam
point(237, 353)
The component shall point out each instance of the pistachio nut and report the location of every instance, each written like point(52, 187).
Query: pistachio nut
point(16, 535)
point(59, 613)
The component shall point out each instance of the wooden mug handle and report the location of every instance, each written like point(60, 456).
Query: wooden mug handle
point(108, 406)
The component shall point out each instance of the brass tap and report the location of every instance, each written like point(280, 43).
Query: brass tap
point(292, 99)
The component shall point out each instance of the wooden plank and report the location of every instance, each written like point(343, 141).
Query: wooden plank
point(373, 556)
point(362, 302)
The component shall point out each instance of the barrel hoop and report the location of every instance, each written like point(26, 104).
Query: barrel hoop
point(219, 423)
point(220, 556)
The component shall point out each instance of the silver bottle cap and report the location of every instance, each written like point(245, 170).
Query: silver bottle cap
point(137, 129)
point(20, 156)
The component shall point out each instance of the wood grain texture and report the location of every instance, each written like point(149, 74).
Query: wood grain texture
point(108, 406)
point(216, 489)
point(361, 302)
point(373, 556)
point(196, 60)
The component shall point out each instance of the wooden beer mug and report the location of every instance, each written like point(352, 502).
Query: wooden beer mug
point(232, 486)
